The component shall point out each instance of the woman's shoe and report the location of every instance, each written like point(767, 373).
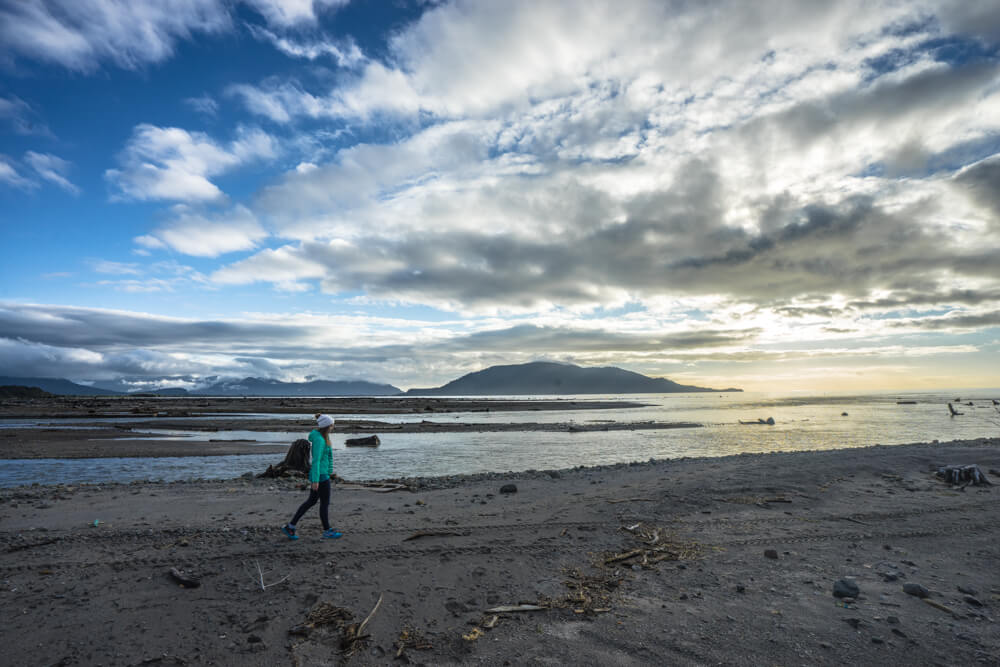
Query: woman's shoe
point(290, 531)
point(331, 534)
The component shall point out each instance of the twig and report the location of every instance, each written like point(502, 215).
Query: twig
point(434, 533)
point(264, 586)
point(633, 500)
point(361, 628)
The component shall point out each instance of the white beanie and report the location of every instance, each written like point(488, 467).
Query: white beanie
point(322, 421)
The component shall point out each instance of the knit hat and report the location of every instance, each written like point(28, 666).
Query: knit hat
point(322, 421)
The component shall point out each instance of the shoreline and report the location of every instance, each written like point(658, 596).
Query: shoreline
point(692, 561)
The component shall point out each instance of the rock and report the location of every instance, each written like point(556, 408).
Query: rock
point(508, 488)
point(854, 622)
point(892, 620)
point(973, 601)
point(967, 591)
point(899, 633)
point(740, 588)
point(877, 640)
point(771, 553)
point(916, 590)
point(845, 588)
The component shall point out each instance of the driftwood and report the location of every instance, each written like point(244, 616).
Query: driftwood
point(953, 411)
point(185, 580)
point(515, 607)
point(768, 422)
point(435, 533)
point(370, 441)
point(296, 462)
point(967, 474)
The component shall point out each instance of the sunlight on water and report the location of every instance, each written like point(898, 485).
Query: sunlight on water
point(801, 423)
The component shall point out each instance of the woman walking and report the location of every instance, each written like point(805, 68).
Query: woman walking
point(319, 479)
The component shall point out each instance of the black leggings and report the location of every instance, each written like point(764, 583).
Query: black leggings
point(322, 494)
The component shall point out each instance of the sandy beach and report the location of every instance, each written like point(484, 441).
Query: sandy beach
point(727, 561)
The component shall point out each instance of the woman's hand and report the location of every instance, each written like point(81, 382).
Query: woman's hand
point(315, 486)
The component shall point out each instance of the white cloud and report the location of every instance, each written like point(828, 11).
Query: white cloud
point(129, 34)
point(292, 13)
point(197, 234)
point(10, 176)
point(205, 104)
point(174, 164)
point(345, 52)
point(51, 168)
point(22, 117)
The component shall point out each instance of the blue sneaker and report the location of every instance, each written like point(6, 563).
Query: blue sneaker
point(331, 534)
point(290, 531)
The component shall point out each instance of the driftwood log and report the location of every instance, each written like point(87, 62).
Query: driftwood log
point(967, 474)
point(296, 461)
point(370, 441)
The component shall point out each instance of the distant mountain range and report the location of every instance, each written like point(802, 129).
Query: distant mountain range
point(539, 377)
point(245, 387)
point(542, 377)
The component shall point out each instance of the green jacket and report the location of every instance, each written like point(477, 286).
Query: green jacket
point(322, 457)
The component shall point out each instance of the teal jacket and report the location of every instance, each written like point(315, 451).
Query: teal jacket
point(322, 458)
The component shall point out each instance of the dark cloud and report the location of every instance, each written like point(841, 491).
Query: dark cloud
point(959, 321)
point(982, 181)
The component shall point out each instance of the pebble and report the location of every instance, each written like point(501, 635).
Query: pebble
point(771, 553)
point(845, 588)
point(916, 590)
point(508, 488)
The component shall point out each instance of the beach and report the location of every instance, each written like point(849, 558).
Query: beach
point(728, 560)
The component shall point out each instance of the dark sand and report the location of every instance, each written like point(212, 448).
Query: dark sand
point(75, 594)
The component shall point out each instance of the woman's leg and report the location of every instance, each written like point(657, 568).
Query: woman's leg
point(304, 507)
point(324, 504)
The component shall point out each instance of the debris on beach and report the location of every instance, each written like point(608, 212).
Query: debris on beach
point(369, 441)
point(768, 422)
point(411, 639)
point(963, 474)
point(953, 411)
point(183, 579)
point(296, 463)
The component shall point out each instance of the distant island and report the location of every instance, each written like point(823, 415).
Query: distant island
point(543, 377)
point(243, 387)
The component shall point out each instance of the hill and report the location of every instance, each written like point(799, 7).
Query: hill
point(541, 377)
point(58, 386)
point(20, 391)
point(264, 387)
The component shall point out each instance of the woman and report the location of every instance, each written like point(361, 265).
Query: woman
point(319, 479)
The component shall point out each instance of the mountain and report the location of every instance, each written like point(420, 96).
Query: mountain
point(58, 386)
point(245, 387)
point(266, 387)
point(542, 377)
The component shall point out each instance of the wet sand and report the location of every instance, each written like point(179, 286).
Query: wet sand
point(696, 561)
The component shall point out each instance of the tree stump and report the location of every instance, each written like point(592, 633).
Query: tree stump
point(296, 462)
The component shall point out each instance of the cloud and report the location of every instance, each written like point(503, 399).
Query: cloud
point(21, 117)
point(51, 168)
point(293, 13)
point(10, 176)
point(194, 233)
point(345, 53)
point(205, 104)
point(174, 164)
point(81, 36)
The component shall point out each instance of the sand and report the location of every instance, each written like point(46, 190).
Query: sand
point(741, 556)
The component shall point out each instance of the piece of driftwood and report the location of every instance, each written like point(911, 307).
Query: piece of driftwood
point(264, 586)
point(297, 461)
point(434, 533)
point(953, 411)
point(370, 441)
point(633, 500)
point(623, 556)
point(515, 607)
point(377, 487)
point(184, 580)
point(31, 545)
point(965, 474)
point(768, 422)
point(938, 605)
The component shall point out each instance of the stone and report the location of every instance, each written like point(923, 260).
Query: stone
point(916, 590)
point(845, 588)
point(508, 488)
point(892, 620)
point(771, 553)
point(967, 591)
point(973, 601)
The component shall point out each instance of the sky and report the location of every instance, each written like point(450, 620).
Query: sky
point(778, 196)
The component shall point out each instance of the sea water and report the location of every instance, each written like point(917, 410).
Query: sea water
point(801, 423)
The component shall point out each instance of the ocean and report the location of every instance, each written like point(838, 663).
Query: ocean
point(801, 422)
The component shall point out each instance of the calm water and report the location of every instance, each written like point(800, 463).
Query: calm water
point(801, 423)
